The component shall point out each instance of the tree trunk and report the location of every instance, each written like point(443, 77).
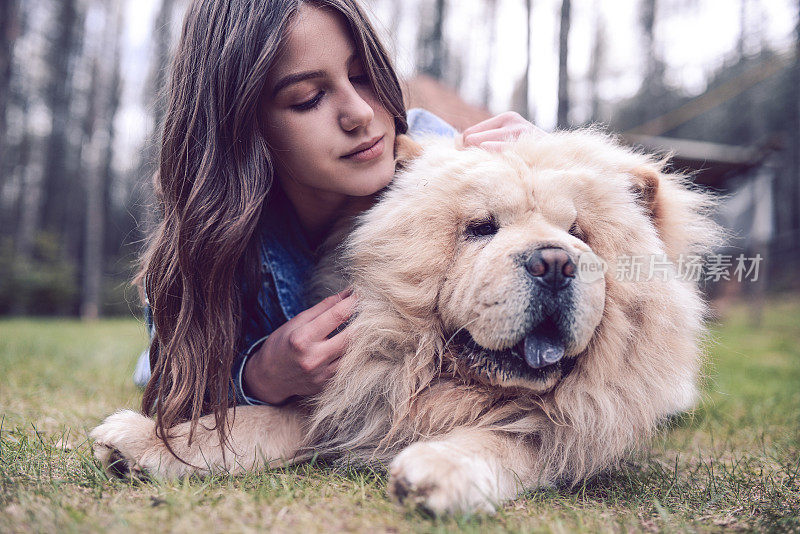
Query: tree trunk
point(563, 70)
point(93, 232)
point(162, 35)
point(654, 66)
point(491, 21)
point(29, 201)
point(112, 242)
point(519, 96)
point(156, 100)
point(8, 33)
point(596, 62)
point(100, 120)
point(59, 194)
point(796, 151)
point(742, 27)
point(26, 152)
point(431, 53)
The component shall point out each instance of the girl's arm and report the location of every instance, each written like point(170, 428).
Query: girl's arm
point(299, 357)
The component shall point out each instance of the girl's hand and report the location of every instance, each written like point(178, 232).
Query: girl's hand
point(496, 133)
point(298, 358)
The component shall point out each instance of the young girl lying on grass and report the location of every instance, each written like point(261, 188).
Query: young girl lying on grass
point(280, 113)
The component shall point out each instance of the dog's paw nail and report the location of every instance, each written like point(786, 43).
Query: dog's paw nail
point(118, 465)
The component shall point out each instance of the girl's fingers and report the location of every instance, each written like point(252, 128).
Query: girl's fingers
point(331, 350)
point(318, 328)
point(504, 127)
point(321, 307)
point(475, 139)
point(333, 367)
point(334, 347)
point(493, 123)
point(495, 146)
point(509, 133)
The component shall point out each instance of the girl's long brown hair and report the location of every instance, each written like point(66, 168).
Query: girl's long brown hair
point(214, 173)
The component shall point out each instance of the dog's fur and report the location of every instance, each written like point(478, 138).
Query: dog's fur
point(430, 383)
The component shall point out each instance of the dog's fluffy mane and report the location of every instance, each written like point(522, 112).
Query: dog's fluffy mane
point(395, 384)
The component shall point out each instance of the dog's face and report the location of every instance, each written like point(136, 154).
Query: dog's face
point(507, 250)
point(513, 300)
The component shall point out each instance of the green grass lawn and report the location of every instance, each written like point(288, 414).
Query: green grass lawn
point(734, 463)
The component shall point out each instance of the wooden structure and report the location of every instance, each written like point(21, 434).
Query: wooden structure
point(422, 91)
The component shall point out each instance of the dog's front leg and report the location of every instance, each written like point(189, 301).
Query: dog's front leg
point(464, 471)
point(260, 436)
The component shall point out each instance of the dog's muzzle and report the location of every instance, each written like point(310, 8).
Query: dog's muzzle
point(551, 268)
point(552, 271)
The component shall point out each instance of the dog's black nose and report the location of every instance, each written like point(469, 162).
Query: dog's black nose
point(551, 267)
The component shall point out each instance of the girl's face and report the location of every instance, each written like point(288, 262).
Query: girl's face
point(322, 120)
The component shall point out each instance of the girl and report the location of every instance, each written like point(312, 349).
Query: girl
point(279, 112)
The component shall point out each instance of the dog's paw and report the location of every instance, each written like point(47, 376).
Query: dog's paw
point(442, 479)
point(121, 441)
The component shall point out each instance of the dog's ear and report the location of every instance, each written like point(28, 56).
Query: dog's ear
point(680, 213)
point(405, 150)
point(645, 187)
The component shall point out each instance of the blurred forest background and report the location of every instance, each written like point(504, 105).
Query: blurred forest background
point(80, 104)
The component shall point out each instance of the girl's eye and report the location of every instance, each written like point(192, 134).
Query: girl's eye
point(361, 79)
point(309, 104)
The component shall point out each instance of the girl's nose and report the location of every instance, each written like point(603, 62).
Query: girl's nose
point(356, 111)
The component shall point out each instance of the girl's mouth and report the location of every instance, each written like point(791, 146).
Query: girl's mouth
point(369, 152)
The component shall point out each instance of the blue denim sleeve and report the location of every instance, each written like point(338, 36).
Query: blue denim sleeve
point(423, 122)
point(261, 316)
point(142, 372)
point(237, 370)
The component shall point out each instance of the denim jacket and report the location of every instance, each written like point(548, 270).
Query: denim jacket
point(285, 261)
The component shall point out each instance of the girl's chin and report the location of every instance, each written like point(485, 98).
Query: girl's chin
point(372, 183)
point(366, 191)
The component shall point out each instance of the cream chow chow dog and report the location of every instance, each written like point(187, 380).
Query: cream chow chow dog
point(495, 348)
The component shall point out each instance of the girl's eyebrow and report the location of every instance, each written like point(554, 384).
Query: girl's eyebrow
point(296, 78)
point(302, 76)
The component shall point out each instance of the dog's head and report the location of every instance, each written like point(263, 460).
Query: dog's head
point(514, 254)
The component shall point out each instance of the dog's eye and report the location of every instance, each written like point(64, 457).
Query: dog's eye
point(482, 228)
point(575, 231)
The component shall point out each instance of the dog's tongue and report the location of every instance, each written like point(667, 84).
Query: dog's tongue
point(542, 350)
